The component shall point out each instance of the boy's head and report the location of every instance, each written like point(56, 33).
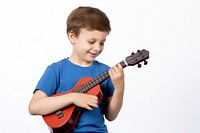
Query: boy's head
point(89, 18)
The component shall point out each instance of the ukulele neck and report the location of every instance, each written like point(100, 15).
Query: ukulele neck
point(97, 80)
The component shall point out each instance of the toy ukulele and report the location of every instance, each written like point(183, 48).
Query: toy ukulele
point(63, 120)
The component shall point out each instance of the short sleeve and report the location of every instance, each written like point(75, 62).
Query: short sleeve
point(107, 88)
point(110, 88)
point(49, 81)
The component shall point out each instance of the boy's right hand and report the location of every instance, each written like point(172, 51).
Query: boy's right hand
point(85, 100)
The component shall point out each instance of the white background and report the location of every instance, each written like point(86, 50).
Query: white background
point(162, 97)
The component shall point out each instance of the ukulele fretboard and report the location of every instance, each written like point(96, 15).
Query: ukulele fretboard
point(99, 79)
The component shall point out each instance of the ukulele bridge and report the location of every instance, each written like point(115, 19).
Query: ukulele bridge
point(59, 114)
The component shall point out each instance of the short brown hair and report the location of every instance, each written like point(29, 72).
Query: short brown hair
point(87, 17)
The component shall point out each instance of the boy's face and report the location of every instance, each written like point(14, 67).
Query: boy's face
point(87, 45)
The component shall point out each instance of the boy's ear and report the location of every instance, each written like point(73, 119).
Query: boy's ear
point(71, 35)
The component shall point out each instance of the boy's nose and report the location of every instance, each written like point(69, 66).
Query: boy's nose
point(97, 47)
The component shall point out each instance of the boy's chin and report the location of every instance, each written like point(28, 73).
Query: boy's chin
point(90, 60)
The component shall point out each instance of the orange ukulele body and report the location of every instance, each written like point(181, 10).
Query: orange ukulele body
point(64, 120)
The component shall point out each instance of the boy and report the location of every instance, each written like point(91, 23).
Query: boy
point(87, 29)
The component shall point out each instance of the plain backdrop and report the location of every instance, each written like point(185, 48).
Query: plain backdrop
point(162, 97)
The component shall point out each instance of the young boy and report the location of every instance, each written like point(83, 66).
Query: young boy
point(87, 29)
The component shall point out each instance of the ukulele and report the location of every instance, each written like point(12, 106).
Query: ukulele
point(63, 120)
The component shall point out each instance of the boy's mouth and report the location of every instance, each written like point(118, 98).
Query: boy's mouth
point(93, 54)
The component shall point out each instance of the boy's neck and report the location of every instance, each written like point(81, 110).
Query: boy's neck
point(80, 62)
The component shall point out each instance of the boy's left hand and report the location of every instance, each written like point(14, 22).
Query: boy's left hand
point(117, 76)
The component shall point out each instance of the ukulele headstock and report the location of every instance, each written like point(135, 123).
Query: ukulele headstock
point(136, 58)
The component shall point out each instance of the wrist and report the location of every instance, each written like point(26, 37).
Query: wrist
point(71, 97)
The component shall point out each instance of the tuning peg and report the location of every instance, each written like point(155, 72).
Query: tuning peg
point(138, 50)
point(132, 53)
point(139, 65)
point(145, 62)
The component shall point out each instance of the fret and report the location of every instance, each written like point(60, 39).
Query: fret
point(123, 63)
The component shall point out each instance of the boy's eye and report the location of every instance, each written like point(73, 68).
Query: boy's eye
point(91, 42)
point(102, 43)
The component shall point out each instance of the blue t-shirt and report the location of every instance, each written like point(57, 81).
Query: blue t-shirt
point(61, 76)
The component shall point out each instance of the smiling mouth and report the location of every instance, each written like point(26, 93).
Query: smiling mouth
point(93, 54)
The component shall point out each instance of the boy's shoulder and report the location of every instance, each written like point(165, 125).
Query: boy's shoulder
point(58, 64)
point(101, 65)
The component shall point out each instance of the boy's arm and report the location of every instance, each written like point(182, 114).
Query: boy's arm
point(40, 104)
point(115, 102)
